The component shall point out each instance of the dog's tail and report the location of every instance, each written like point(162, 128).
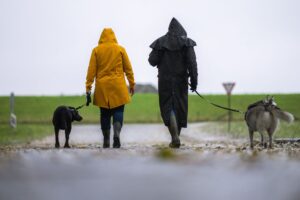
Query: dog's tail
point(283, 115)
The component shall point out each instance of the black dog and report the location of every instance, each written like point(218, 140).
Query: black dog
point(62, 119)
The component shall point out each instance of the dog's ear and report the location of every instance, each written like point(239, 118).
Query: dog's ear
point(273, 101)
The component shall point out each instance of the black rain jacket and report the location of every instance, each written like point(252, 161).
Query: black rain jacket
point(175, 58)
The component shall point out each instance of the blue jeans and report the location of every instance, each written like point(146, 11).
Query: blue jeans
point(106, 114)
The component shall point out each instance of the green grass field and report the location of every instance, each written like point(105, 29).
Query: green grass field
point(144, 108)
point(34, 113)
point(23, 134)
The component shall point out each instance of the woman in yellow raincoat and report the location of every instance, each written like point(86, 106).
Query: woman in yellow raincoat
point(108, 63)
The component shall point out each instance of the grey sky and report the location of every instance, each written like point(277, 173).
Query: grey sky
point(45, 45)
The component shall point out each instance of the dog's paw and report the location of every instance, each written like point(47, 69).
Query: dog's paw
point(57, 146)
point(67, 146)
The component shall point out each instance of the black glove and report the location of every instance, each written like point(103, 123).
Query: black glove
point(88, 98)
point(193, 86)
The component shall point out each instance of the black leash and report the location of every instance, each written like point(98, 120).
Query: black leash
point(79, 107)
point(216, 105)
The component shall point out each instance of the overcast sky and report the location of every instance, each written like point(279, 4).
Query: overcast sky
point(45, 45)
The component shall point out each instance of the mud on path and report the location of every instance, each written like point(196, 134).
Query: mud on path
point(206, 167)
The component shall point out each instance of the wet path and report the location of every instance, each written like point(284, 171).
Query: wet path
point(207, 167)
point(139, 136)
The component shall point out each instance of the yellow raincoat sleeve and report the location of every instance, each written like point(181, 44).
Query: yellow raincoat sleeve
point(91, 74)
point(128, 69)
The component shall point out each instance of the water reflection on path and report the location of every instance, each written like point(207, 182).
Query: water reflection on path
point(207, 167)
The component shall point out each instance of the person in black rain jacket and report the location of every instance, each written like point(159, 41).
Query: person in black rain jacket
point(175, 58)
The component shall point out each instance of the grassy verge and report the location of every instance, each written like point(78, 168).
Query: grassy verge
point(24, 133)
point(144, 108)
point(34, 113)
point(239, 129)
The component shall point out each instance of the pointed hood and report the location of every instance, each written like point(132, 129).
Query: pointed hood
point(176, 29)
point(175, 39)
point(107, 35)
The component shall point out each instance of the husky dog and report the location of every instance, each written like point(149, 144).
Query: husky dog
point(263, 116)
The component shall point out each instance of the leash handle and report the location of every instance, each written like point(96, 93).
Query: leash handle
point(216, 105)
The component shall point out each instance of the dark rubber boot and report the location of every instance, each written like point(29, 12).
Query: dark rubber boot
point(173, 129)
point(179, 131)
point(106, 138)
point(117, 131)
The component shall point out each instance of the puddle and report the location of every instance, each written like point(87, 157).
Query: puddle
point(206, 167)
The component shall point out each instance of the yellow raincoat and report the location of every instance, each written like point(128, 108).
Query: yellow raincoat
point(108, 63)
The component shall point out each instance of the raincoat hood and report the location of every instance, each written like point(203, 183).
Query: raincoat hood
point(175, 39)
point(107, 35)
point(176, 29)
point(109, 63)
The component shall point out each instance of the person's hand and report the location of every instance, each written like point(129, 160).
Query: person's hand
point(193, 87)
point(131, 91)
point(193, 84)
point(88, 98)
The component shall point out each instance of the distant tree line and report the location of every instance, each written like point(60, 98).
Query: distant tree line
point(145, 88)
